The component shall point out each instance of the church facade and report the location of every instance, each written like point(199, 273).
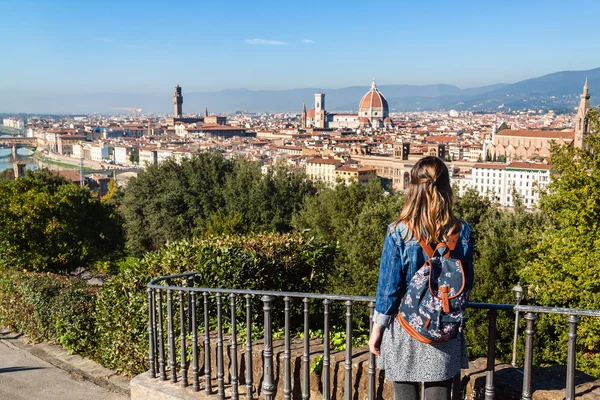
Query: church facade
point(373, 112)
point(532, 144)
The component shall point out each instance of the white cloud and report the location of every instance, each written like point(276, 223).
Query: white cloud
point(308, 41)
point(265, 41)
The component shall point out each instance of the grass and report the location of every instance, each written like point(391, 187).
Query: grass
point(47, 160)
point(9, 131)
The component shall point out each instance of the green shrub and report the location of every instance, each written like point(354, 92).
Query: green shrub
point(47, 224)
point(50, 307)
point(122, 320)
point(256, 261)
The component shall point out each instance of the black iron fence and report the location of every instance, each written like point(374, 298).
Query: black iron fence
point(171, 358)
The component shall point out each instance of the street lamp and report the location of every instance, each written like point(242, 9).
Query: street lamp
point(518, 295)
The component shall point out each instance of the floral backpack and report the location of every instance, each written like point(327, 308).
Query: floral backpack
point(433, 307)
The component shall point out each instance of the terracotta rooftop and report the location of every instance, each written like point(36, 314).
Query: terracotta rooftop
point(318, 160)
point(525, 165)
point(355, 169)
point(567, 135)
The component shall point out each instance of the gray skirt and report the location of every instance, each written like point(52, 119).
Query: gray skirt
point(405, 359)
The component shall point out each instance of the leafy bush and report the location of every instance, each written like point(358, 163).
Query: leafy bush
point(268, 261)
point(47, 224)
point(50, 307)
point(122, 320)
point(256, 261)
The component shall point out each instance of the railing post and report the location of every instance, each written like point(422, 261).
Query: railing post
point(371, 370)
point(348, 363)
point(234, 376)
point(220, 364)
point(207, 349)
point(249, 371)
point(515, 339)
point(195, 363)
point(184, 380)
point(571, 357)
point(326, 346)
point(306, 351)
point(161, 340)
point(491, 356)
point(151, 335)
point(190, 284)
point(527, 367)
point(268, 380)
point(171, 335)
point(287, 378)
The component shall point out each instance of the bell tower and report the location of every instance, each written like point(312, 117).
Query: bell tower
point(303, 117)
point(581, 120)
point(177, 102)
point(320, 110)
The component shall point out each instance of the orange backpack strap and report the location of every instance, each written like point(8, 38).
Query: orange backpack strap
point(426, 247)
point(452, 240)
point(450, 244)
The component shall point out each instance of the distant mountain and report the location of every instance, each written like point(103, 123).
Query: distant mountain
point(560, 89)
point(553, 91)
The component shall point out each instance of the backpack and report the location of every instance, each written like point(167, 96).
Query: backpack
point(433, 308)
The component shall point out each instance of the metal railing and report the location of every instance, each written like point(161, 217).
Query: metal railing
point(189, 297)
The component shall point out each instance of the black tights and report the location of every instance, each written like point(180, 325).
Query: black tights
point(433, 390)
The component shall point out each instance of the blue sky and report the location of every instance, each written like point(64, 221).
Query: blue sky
point(74, 46)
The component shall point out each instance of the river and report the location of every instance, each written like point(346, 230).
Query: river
point(23, 155)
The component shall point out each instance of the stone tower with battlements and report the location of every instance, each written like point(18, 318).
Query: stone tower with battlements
point(177, 102)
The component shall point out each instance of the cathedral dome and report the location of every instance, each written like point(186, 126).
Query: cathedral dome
point(373, 104)
point(373, 99)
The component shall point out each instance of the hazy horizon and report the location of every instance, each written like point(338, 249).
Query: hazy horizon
point(65, 47)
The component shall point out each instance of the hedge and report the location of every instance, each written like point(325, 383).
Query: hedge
point(109, 324)
point(45, 306)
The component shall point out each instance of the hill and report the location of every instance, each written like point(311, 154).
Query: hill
point(553, 91)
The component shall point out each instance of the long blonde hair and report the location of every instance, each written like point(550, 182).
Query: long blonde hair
point(428, 207)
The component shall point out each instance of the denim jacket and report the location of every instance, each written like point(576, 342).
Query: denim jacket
point(400, 260)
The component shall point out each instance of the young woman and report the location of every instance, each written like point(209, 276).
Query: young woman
point(426, 214)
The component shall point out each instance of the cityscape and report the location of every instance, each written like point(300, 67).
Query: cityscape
point(509, 150)
point(214, 201)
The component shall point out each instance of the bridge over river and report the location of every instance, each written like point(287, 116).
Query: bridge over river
point(15, 143)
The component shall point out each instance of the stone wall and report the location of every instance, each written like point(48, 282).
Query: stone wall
point(548, 383)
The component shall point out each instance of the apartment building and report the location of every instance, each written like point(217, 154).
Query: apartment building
point(500, 182)
point(322, 169)
point(353, 173)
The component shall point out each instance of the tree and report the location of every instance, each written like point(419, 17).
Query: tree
point(7, 175)
point(564, 272)
point(47, 224)
point(167, 202)
point(503, 239)
point(264, 201)
point(356, 217)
